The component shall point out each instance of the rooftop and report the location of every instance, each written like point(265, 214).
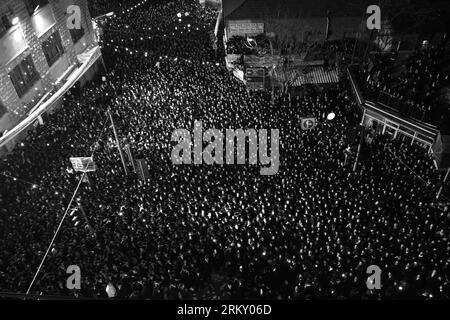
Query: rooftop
point(292, 9)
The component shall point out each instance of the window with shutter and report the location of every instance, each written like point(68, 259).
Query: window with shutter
point(23, 76)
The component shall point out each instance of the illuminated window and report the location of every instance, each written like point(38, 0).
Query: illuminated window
point(34, 5)
point(76, 34)
point(52, 48)
point(23, 76)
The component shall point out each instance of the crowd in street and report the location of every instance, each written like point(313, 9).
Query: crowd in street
point(214, 231)
point(415, 87)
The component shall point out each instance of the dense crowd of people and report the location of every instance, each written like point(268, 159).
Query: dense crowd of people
point(414, 88)
point(214, 231)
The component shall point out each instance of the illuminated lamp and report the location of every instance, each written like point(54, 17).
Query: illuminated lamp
point(15, 21)
point(331, 116)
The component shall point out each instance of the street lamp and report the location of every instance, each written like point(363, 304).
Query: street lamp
point(109, 14)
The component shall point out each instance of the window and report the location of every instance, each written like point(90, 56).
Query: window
point(2, 110)
point(23, 76)
point(5, 24)
point(33, 5)
point(76, 34)
point(52, 48)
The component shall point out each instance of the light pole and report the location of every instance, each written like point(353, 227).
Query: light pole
point(443, 183)
point(83, 213)
point(362, 132)
point(118, 143)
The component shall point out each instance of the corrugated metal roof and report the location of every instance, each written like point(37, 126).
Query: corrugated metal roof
point(317, 75)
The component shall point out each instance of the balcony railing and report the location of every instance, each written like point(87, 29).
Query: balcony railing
point(387, 114)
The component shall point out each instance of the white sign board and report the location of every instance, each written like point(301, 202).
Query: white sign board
point(245, 27)
point(83, 164)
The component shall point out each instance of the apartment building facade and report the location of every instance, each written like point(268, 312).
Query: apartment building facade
point(38, 52)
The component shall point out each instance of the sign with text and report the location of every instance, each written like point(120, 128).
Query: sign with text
point(83, 164)
point(255, 78)
point(308, 123)
point(245, 27)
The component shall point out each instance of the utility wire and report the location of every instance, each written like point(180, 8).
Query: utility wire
point(67, 209)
